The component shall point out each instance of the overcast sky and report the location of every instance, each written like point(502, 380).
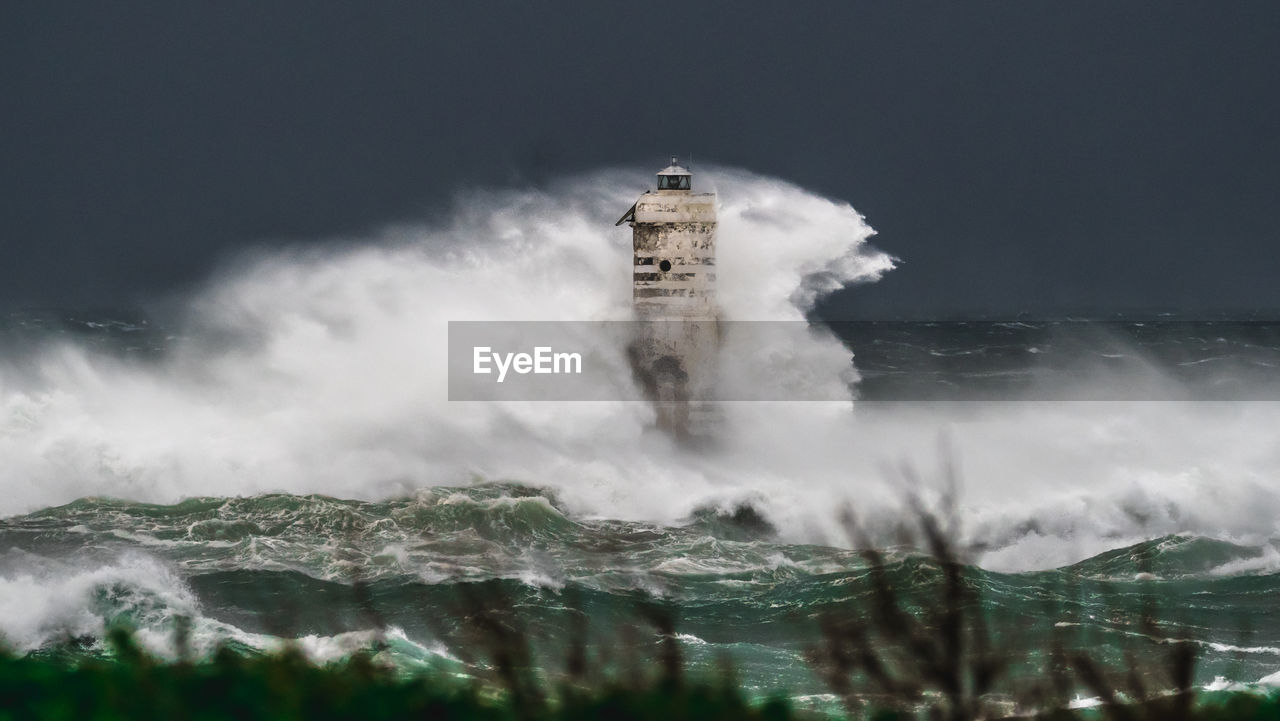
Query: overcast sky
point(1015, 155)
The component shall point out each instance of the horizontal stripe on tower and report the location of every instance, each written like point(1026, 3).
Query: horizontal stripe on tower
point(673, 275)
point(681, 259)
point(661, 293)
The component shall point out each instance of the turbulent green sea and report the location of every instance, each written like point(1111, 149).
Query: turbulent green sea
point(1112, 530)
point(399, 577)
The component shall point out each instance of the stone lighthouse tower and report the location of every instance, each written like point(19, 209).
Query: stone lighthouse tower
point(674, 248)
point(673, 292)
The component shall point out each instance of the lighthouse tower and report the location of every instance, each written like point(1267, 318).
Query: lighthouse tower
point(673, 291)
point(674, 247)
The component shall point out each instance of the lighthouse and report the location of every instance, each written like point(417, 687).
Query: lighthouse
point(674, 249)
point(673, 291)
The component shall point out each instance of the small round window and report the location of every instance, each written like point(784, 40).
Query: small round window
point(664, 266)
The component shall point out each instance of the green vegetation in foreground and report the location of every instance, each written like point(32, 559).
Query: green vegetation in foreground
point(286, 687)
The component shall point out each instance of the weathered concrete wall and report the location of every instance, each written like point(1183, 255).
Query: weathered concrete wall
point(674, 243)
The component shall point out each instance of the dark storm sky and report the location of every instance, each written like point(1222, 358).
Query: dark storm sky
point(1015, 155)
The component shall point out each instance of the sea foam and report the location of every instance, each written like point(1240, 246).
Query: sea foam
point(322, 370)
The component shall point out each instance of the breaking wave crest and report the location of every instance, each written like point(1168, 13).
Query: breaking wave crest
point(332, 576)
point(322, 371)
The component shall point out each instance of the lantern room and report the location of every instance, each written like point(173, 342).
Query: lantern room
point(674, 177)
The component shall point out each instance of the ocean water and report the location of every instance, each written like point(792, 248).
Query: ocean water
point(274, 457)
point(398, 577)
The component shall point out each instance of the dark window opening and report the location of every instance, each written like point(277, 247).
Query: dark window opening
point(673, 182)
